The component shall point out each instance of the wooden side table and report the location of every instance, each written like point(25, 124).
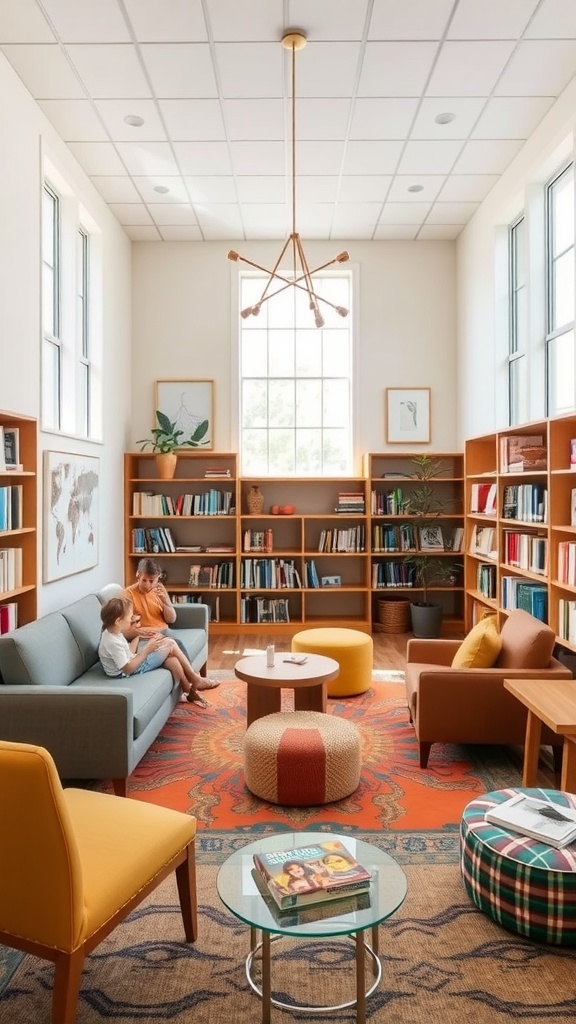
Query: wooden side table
point(554, 703)
point(264, 685)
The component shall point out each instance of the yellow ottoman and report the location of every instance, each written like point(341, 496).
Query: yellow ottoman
point(352, 649)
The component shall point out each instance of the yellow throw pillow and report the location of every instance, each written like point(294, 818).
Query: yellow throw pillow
point(480, 649)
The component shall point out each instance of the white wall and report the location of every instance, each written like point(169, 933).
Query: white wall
point(22, 129)
point(183, 326)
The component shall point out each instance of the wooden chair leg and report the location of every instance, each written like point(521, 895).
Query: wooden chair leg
point(424, 749)
point(120, 787)
point(67, 977)
point(557, 759)
point(186, 880)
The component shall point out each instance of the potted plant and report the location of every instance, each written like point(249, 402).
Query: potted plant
point(167, 439)
point(427, 503)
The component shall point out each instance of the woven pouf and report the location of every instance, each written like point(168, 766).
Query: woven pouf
point(352, 649)
point(524, 885)
point(301, 758)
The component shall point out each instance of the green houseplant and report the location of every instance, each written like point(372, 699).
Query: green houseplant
point(427, 503)
point(167, 439)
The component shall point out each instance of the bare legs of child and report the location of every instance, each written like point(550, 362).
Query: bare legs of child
point(182, 670)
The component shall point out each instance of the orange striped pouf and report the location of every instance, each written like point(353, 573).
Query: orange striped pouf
point(301, 758)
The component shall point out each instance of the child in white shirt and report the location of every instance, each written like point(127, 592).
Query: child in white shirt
point(120, 657)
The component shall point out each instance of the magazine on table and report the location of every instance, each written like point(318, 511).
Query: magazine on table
point(312, 874)
point(345, 905)
point(549, 822)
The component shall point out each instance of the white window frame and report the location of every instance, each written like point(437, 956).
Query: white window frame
point(517, 346)
point(558, 333)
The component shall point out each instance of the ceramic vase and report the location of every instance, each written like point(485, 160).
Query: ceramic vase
point(255, 500)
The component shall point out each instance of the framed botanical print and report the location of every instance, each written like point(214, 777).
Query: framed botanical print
point(408, 415)
point(190, 405)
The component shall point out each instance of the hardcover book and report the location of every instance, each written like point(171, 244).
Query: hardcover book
point(551, 823)
point(312, 874)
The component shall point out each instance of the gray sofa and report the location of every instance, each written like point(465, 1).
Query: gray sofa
point(54, 692)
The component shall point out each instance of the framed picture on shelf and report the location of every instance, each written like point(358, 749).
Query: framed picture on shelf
point(331, 581)
point(431, 538)
point(11, 446)
point(70, 535)
point(190, 405)
point(408, 415)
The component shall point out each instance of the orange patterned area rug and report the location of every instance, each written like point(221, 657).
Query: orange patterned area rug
point(196, 766)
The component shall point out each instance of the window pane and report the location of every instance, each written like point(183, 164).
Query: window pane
point(336, 412)
point(50, 386)
point(308, 403)
point(281, 403)
point(563, 290)
point(83, 399)
point(561, 366)
point(518, 391)
point(254, 403)
point(563, 212)
point(521, 320)
point(48, 227)
point(48, 322)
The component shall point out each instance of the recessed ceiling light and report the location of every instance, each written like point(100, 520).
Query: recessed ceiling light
point(415, 188)
point(161, 188)
point(134, 120)
point(445, 118)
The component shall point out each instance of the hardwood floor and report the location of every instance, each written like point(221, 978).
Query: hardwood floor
point(225, 650)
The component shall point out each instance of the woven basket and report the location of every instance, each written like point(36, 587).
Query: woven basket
point(394, 616)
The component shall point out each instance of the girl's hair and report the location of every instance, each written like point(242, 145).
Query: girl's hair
point(114, 609)
point(149, 566)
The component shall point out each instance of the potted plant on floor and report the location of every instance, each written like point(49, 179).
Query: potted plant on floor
point(427, 503)
point(167, 439)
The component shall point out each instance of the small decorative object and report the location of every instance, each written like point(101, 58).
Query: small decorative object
point(255, 500)
point(287, 510)
point(407, 415)
point(270, 656)
point(165, 442)
point(274, 510)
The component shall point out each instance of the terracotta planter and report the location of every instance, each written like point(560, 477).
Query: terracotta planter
point(166, 465)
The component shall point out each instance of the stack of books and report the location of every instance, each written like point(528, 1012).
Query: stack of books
point(311, 874)
point(351, 503)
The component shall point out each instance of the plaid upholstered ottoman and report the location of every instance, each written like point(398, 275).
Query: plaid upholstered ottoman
point(301, 758)
point(524, 885)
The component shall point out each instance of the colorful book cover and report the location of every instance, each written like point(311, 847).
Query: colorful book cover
point(312, 874)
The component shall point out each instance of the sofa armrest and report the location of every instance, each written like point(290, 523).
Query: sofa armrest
point(435, 652)
point(191, 616)
point(88, 730)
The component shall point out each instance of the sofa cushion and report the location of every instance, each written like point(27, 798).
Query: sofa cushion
point(526, 642)
point(150, 690)
point(41, 653)
point(481, 647)
point(83, 617)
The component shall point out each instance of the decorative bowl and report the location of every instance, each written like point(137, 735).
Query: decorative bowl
point(287, 510)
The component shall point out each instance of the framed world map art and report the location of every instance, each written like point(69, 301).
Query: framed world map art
point(70, 535)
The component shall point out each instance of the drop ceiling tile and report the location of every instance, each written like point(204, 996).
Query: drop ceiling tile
point(431, 184)
point(382, 118)
point(219, 220)
point(255, 119)
point(411, 19)
point(116, 188)
point(146, 158)
point(74, 120)
point(396, 232)
point(211, 189)
point(370, 188)
point(258, 157)
point(554, 19)
point(469, 68)
point(315, 188)
point(190, 233)
point(356, 217)
point(167, 21)
point(466, 110)
point(343, 230)
point(539, 68)
point(404, 213)
point(198, 158)
point(111, 71)
point(262, 188)
point(315, 219)
point(83, 21)
point(193, 120)
point(514, 117)
point(429, 157)
point(113, 113)
point(97, 158)
point(439, 232)
point(172, 213)
point(265, 220)
point(467, 188)
point(45, 71)
point(143, 234)
point(329, 19)
point(326, 69)
point(250, 70)
point(146, 185)
point(491, 19)
point(131, 213)
point(322, 119)
point(487, 157)
point(319, 157)
point(180, 70)
point(249, 20)
point(371, 157)
point(396, 69)
point(23, 22)
point(451, 213)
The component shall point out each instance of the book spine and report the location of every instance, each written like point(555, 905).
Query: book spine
point(320, 896)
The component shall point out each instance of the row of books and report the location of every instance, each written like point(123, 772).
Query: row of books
point(389, 537)
point(212, 601)
point(152, 540)
point(11, 507)
point(520, 593)
point(567, 620)
point(351, 539)
point(217, 471)
point(10, 569)
point(207, 503)
point(388, 503)
point(483, 542)
point(351, 503)
point(528, 502)
point(392, 574)
point(8, 617)
point(311, 575)
point(306, 875)
point(486, 579)
point(483, 498)
point(567, 562)
point(258, 540)
point(264, 609)
point(220, 575)
point(269, 574)
point(525, 551)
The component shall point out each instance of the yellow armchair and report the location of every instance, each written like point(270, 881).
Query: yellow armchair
point(74, 864)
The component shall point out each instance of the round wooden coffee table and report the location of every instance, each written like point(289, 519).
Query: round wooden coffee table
point(264, 685)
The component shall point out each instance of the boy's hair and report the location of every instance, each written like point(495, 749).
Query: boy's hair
point(114, 609)
point(149, 566)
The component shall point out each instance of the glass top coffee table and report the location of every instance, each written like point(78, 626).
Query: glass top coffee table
point(349, 916)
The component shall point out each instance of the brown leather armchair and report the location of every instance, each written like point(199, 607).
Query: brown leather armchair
point(471, 705)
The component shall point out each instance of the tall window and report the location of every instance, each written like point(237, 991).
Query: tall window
point(83, 339)
point(560, 362)
point(296, 382)
point(518, 334)
point(51, 353)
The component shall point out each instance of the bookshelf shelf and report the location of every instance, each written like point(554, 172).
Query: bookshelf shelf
point(19, 538)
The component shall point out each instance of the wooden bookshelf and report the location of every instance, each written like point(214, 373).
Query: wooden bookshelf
point(21, 528)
